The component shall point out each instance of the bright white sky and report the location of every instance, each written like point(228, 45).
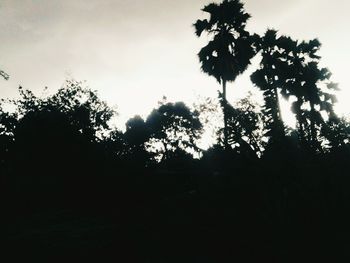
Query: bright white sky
point(134, 52)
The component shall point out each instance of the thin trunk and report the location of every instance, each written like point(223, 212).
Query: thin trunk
point(278, 116)
point(165, 154)
point(225, 114)
point(313, 127)
point(301, 127)
point(278, 106)
point(301, 130)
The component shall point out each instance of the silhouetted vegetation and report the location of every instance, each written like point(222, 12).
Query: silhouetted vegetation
point(74, 184)
point(228, 54)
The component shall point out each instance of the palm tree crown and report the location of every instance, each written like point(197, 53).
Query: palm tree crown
point(229, 51)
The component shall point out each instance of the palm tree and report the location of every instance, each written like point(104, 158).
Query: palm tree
point(307, 78)
point(272, 79)
point(313, 94)
point(230, 49)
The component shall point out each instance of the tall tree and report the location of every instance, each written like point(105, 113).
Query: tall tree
point(310, 85)
point(270, 78)
point(291, 68)
point(230, 49)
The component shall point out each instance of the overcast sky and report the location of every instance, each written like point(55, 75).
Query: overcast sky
point(134, 52)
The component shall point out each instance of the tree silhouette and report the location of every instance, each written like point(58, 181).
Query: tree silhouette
point(246, 127)
point(305, 83)
point(136, 136)
point(173, 126)
point(115, 146)
point(57, 136)
point(8, 123)
point(270, 79)
point(87, 113)
point(337, 132)
point(228, 53)
point(137, 132)
point(291, 68)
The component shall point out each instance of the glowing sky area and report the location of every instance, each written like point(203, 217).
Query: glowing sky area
point(134, 52)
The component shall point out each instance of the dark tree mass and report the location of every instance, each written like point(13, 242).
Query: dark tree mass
point(75, 187)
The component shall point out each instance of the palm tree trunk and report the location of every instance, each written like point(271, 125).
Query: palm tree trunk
point(278, 116)
point(278, 105)
point(313, 127)
point(165, 154)
point(225, 114)
point(301, 130)
point(300, 125)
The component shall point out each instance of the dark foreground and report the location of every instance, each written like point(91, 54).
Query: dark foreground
point(164, 216)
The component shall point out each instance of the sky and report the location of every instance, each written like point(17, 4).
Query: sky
point(135, 52)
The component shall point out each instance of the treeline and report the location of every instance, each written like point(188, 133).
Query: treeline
point(261, 188)
point(60, 153)
point(66, 140)
point(74, 122)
